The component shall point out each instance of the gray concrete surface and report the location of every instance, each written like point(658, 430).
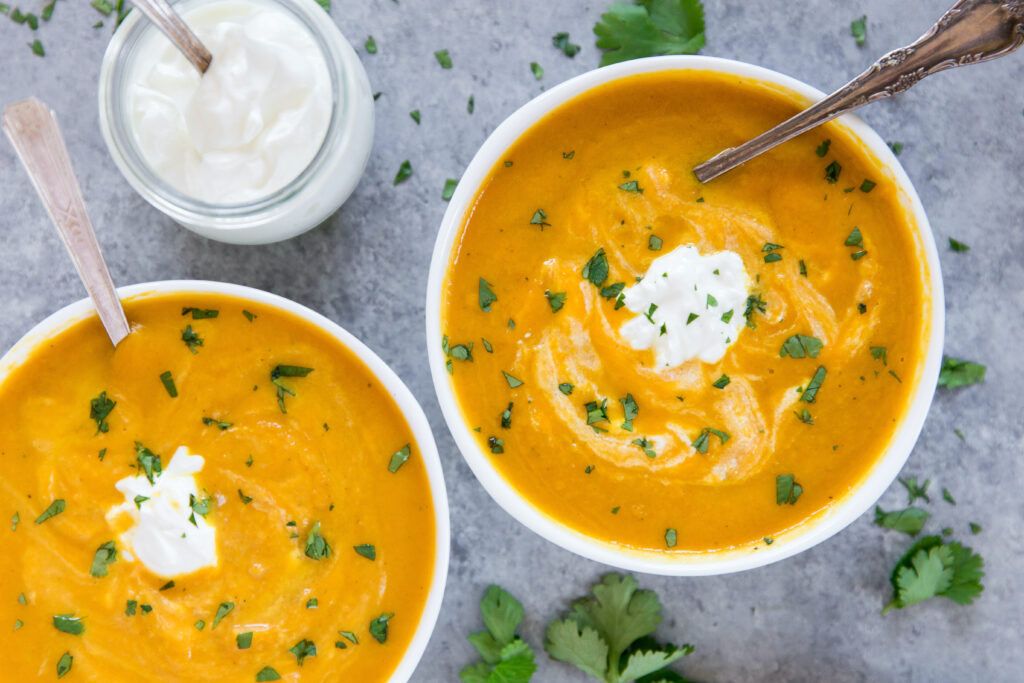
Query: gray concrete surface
point(811, 618)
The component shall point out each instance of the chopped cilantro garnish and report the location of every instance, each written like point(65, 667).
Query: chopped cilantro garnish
point(168, 382)
point(596, 269)
point(956, 245)
point(444, 59)
point(859, 30)
point(632, 186)
point(64, 664)
point(854, 239)
point(370, 45)
point(787, 491)
point(486, 295)
point(867, 185)
point(249, 315)
point(223, 426)
point(556, 300)
point(17, 518)
point(561, 41)
point(148, 461)
point(960, 373)
point(470, 106)
point(755, 304)
point(69, 623)
point(399, 457)
point(810, 393)
point(317, 547)
point(538, 71)
point(244, 498)
point(223, 610)
point(200, 625)
point(727, 316)
point(915, 491)
point(130, 607)
point(366, 550)
point(99, 409)
point(379, 627)
point(722, 382)
point(630, 410)
point(512, 381)
point(286, 371)
point(200, 313)
point(496, 445)
point(37, 46)
point(449, 188)
point(822, 149)
point(654, 243)
point(267, 673)
point(646, 446)
point(596, 412)
point(55, 508)
point(703, 439)
point(858, 255)
point(804, 416)
point(880, 353)
point(415, 116)
point(106, 554)
point(690, 318)
point(909, 520)
point(801, 346)
point(192, 340)
point(654, 27)
point(670, 538)
point(566, 388)
point(613, 291)
point(404, 172)
point(948, 497)
point(832, 172)
point(506, 417)
point(244, 640)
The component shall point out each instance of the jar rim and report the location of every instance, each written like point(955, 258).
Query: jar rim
point(116, 127)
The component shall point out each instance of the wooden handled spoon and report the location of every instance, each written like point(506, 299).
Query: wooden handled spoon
point(971, 31)
point(32, 129)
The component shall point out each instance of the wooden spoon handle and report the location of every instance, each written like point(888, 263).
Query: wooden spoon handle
point(32, 129)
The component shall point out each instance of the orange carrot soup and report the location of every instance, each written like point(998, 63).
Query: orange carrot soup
point(673, 367)
point(230, 495)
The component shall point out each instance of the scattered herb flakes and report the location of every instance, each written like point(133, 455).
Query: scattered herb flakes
point(200, 625)
point(960, 373)
point(17, 518)
point(854, 239)
point(38, 50)
point(404, 172)
point(896, 147)
point(443, 58)
point(399, 457)
point(880, 353)
point(539, 218)
point(168, 382)
point(249, 316)
point(223, 610)
point(859, 30)
point(632, 186)
point(379, 627)
point(755, 304)
point(55, 508)
point(957, 245)
point(244, 640)
point(312, 603)
point(324, 4)
point(703, 439)
point(486, 295)
point(914, 490)
point(613, 291)
point(470, 106)
point(506, 657)
point(654, 243)
point(506, 417)
point(727, 316)
point(267, 673)
point(69, 623)
point(909, 520)
point(555, 299)
point(959, 435)
point(496, 445)
point(223, 426)
point(822, 149)
point(105, 555)
point(22, 600)
point(630, 409)
point(64, 664)
point(415, 116)
point(512, 381)
point(722, 382)
point(130, 607)
point(810, 393)
point(801, 346)
point(948, 497)
point(350, 636)
point(867, 185)
point(200, 313)
point(858, 255)
point(317, 547)
point(537, 70)
point(596, 269)
point(654, 27)
point(645, 445)
point(832, 172)
point(192, 340)
point(281, 371)
point(975, 528)
point(564, 387)
point(804, 416)
point(244, 498)
point(371, 45)
point(931, 568)
point(366, 550)
point(803, 268)
point(768, 540)
point(670, 538)
point(787, 491)
point(449, 188)
point(561, 41)
point(487, 345)
point(99, 410)
point(598, 635)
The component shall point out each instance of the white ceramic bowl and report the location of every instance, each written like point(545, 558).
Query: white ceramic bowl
point(407, 404)
point(810, 533)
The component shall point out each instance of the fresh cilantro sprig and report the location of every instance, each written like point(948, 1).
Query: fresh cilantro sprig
point(960, 373)
point(506, 657)
point(651, 27)
point(607, 634)
point(932, 568)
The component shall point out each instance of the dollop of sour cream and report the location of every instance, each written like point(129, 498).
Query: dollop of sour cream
point(689, 305)
point(247, 127)
point(163, 535)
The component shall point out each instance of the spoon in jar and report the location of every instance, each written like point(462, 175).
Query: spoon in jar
point(177, 31)
point(971, 31)
point(32, 129)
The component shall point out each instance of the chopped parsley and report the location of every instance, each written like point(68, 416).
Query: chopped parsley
point(379, 627)
point(755, 304)
point(655, 27)
point(399, 457)
point(810, 393)
point(366, 550)
point(486, 295)
point(787, 491)
point(561, 41)
point(556, 300)
point(200, 625)
point(909, 520)
point(55, 508)
point(727, 316)
point(106, 554)
point(99, 409)
point(596, 412)
point(404, 172)
point(286, 371)
point(703, 439)
point(801, 346)
point(960, 373)
point(192, 340)
point(38, 50)
point(168, 382)
point(630, 409)
point(148, 461)
point(312, 603)
point(317, 547)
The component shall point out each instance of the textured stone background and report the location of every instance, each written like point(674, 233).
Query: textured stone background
point(814, 617)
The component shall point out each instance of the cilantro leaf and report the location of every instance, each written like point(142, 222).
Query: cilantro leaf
point(487, 296)
point(960, 373)
point(653, 27)
point(787, 490)
point(556, 300)
point(99, 408)
point(801, 346)
point(909, 520)
point(507, 659)
point(379, 627)
point(932, 568)
point(105, 554)
point(596, 269)
point(580, 646)
point(317, 547)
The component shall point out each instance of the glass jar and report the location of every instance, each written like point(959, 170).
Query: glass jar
point(303, 203)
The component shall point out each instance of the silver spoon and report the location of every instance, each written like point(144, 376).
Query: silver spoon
point(32, 129)
point(971, 31)
point(177, 31)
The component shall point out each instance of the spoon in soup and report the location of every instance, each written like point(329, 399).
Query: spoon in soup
point(971, 31)
point(32, 129)
point(177, 31)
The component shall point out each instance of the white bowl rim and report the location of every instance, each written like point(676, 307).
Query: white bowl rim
point(813, 531)
point(407, 404)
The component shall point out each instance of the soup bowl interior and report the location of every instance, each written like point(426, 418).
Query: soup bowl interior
point(403, 398)
point(818, 527)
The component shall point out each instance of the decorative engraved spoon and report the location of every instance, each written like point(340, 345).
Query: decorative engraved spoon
point(32, 129)
point(177, 31)
point(971, 31)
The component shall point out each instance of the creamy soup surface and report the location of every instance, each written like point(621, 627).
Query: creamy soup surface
point(309, 483)
point(676, 367)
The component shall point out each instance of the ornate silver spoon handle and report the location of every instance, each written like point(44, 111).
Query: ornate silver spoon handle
point(32, 129)
point(971, 31)
point(177, 31)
